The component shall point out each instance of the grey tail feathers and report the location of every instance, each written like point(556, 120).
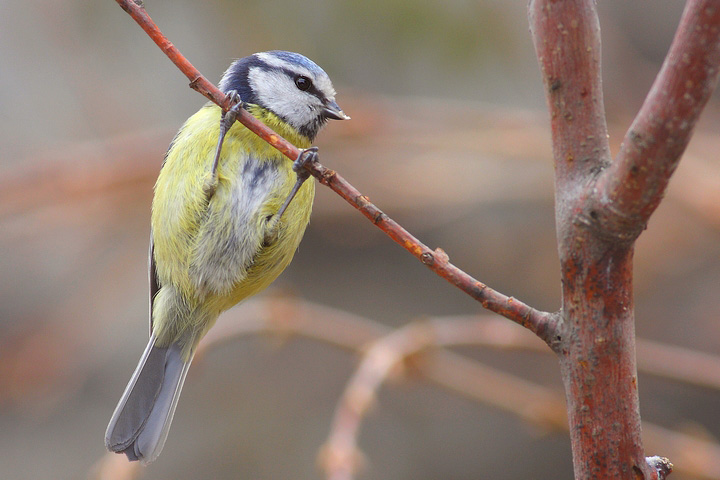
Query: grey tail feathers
point(141, 421)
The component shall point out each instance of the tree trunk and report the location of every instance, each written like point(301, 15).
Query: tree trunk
point(602, 206)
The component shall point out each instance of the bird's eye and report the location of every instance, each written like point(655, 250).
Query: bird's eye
point(303, 83)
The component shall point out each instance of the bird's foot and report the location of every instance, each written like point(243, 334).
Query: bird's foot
point(308, 155)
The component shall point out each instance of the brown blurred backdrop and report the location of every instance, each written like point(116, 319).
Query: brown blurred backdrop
point(449, 136)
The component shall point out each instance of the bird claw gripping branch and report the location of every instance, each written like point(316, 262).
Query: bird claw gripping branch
point(308, 155)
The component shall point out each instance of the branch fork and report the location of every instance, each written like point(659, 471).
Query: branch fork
point(602, 206)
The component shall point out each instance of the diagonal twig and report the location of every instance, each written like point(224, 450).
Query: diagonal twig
point(541, 323)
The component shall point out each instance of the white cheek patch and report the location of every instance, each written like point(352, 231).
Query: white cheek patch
point(277, 92)
point(325, 86)
point(320, 80)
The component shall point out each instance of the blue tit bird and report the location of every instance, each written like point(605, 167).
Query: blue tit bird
point(218, 234)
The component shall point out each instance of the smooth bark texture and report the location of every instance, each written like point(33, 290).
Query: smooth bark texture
point(601, 208)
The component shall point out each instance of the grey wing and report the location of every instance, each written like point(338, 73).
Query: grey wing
point(152, 271)
point(153, 277)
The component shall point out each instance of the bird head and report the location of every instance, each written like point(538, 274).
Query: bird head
point(287, 84)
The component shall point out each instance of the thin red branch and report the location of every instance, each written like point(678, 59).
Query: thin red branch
point(541, 323)
point(629, 191)
point(202, 85)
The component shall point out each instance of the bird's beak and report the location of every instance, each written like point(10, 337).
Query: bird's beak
point(333, 110)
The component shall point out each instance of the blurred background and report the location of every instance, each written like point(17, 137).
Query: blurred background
point(449, 137)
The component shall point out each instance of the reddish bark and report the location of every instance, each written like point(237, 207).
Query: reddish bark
point(629, 191)
point(601, 208)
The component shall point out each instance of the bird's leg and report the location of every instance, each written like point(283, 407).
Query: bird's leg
point(308, 155)
point(227, 120)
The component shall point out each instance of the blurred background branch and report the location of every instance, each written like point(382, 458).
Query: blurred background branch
point(75, 189)
point(415, 350)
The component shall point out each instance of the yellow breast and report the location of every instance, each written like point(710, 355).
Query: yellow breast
point(212, 250)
